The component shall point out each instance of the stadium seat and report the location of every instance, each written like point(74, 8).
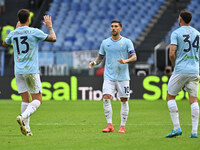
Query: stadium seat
point(63, 58)
point(88, 19)
point(45, 58)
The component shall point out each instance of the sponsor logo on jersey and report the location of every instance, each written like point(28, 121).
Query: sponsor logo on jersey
point(191, 57)
point(24, 59)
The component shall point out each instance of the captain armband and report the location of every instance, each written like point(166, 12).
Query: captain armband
point(132, 52)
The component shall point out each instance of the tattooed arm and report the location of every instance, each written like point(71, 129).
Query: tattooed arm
point(48, 23)
point(97, 61)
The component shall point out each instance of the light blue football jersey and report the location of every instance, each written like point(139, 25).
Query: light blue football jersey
point(113, 51)
point(187, 54)
point(25, 43)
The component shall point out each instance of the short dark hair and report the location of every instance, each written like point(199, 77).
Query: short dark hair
point(117, 21)
point(186, 16)
point(23, 15)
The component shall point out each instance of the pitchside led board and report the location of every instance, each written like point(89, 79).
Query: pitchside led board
point(72, 88)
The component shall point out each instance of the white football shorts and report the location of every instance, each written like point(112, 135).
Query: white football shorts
point(121, 87)
point(28, 82)
point(189, 82)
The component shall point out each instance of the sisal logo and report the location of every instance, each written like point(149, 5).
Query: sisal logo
point(57, 91)
point(62, 90)
point(155, 92)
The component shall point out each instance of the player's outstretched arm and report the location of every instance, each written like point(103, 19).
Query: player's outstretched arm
point(133, 58)
point(17, 25)
point(48, 23)
point(97, 61)
point(5, 44)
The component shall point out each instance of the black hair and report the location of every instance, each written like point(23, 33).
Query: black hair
point(186, 16)
point(23, 15)
point(117, 21)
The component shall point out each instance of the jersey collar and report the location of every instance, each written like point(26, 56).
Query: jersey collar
point(116, 40)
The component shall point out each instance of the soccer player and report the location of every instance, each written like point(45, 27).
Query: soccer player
point(116, 75)
point(184, 55)
point(25, 42)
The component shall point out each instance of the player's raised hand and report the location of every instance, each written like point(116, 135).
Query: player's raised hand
point(18, 24)
point(122, 61)
point(47, 21)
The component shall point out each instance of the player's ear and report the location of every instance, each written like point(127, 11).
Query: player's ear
point(29, 19)
point(179, 19)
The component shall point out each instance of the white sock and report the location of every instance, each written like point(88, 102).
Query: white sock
point(107, 110)
point(173, 109)
point(32, 107)
point(27, 120)
point(124, 113)
point(195, 117)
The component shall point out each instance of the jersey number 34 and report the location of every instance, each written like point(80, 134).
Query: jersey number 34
point(194, 44)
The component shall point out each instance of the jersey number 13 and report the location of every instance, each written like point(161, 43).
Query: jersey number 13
point(23, 41)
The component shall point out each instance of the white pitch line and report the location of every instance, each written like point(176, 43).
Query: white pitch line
point(83, 124)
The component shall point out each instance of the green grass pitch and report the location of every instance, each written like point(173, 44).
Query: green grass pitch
point(77, 125)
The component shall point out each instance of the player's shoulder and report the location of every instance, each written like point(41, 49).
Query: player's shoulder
point(11, 32)
point(195, 30)
point(178, 30)
point(107, 40)
point(126, 40)
point(34, 29)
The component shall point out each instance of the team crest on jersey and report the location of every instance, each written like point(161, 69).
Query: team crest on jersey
point(121, 44)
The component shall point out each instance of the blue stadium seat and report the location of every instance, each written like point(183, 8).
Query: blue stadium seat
point(70, 38)
point(66, 46)
point(87, 45)
point(63, 58)
point(90, 20)
point(46, 58)
point(76, 47)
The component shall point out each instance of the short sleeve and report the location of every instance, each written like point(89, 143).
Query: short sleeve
point(102, 50)
point(40, 35)
point(173, 38)
point(131, 49)
point(8, 39)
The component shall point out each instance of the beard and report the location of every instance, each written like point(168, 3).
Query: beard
point(114, 34)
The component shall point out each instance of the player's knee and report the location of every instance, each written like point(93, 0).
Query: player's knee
point(37, 96)
point(107, 96)
point(170, 97)
point(124, 99)
point(193, 99)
